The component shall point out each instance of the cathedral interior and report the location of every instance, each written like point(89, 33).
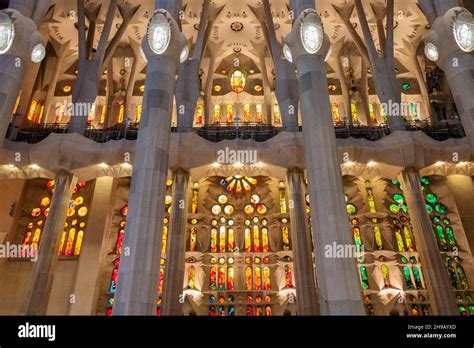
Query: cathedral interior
point(237, 158)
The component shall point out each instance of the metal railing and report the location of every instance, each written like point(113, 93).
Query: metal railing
point(258, 132)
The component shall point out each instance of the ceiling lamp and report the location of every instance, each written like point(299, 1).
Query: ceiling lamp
point(217, 88)
point(464, 31)
point(38, 53)
point(142, 88)
point(431, 52)
point(159, 33)
point(67, 88)
point(312, 35)
point(238, 79)
point(332, 87)
point(184, 54)
point(7, 32)
point(258, 88)
point(287, 53)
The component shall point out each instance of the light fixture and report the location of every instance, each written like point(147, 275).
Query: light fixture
point(258, 88)
point(103, 165)
point(287, 53)
point(439, 163)
point(260, 164)
point(216, 165)
point(349, 163)
point(332, 87)
point(7, 33)
point(184, 54)
point(252, 71)
point(238, 165)
point(312, 35)
point(464, 31)
point(217, 88)
point(142, 88)
point(38, 53)
point(67, 88)
point(371, 164)
point(159, 33)
point(34, 166)
point(431, 52)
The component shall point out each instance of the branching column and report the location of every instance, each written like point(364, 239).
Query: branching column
point(338, 283)
point(174, 271)
point(137, 288)
point(306, 295)
point(439, 287)
point(43, 270)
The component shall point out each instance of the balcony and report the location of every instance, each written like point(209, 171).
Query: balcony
point(258, 132)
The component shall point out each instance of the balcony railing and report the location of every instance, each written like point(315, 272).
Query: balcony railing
point(258, 132)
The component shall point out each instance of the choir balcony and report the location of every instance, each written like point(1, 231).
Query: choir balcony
point(258, 132)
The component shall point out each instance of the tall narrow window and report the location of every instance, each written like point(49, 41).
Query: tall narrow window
point(230, 278)
point(228, 113)
point(139, 113)
point(217, 113)
point(276, 114)
point(248, 240)
point(191, 276)
point(266, 278)
point(213, 278)
point(370, 197)
point(354, 114)
point(32, 112)
point(256, 239)
point(373, 118)
point(335, 113)
point(288, 277)
point(385, 275)
point(222, 233)
point(230, 239)
point(265, 246)
point(248, 278)
point(121, 113)
point(193, 239)
point(258, 278)
point(214, 240)
point(259, 113)
point(199, 117)
point(246, 113)
point(221, 278)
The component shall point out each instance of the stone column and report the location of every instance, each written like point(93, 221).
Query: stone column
point(174, 270)
point(306, 293)
point(137, 289)
point(91, 261)
point(456, 64)
point(43, 269)
point(14, 63)
point(338, 283)
point(436, 276)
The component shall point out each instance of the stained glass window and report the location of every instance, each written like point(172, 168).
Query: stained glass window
point(199, 117)
point(276, 114)
point(259, 113)
point(229, 115)
point(335, 112)
point(288, 277)
point(364, 281)
point(354, 114)
point(139, 113)
point(385, 275)
point(193, 239)
point(121, 115)
point(217, 113)
point(246, 113)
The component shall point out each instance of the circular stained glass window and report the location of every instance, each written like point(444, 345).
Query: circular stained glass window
point(194, 222)
point(222, 220)
point(268, 299)
point(46, 212)
point(125, 210)
point(213, 260)
point(228, 209)
point(46, 201)
point(431, 198)
point(249, 209)
point(284, 220)
point(222, 199)
point(216, 210)
point(71, 212)
point(354, 222)
point(82, 211)
point(257, 260)
point(50, 184)
point(429, 208)
point(214, 222)
point(307, 198)
point(30, 225)
point(230, 222)
point(261, 209)
point(405, 208)
point(440, 208)
point(168, 199)
point(247, 222)
point(374, 220)
point(394, 208)
point(248, 260)
point(255, 199)
point(351, 209)
point(212, 299)
point(404, 259)
point(266, 260)
point(258, 298)
point(425, 181)
point(264, 222)
point(249, 298)
point(82, 225)
point(398, 198)
point(446, 221)
point(436, 219)
point(394, 182)
point(36, 212)
point(230, 260)
point(74, 222)
point(40, 223)
point(79, 200)
point(256, 220)
point(222, 260)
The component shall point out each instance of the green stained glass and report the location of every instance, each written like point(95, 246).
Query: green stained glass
point(441, 237)
point(452, 277)
point(429, 208)
point(425, 310)
point(398, 237)
point(471, 310)
point(425, 181)
point(436, 219)
point(357, 239)
point(440, 208)
point(394, 208)
point(451, 238)
point(413, 260)
point(446, 221)
point(378, 237)
point(364, 278)
point(462, 277)
point(404, 259)
point(406, 273)
point(416, 275)
point(431, 198)
point(351, 209)
point(398, 198)
point(395, 182)
point(405, 208)
point(386, 276)
point(462, 310)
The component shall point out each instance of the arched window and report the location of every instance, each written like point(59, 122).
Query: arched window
point(276, 114)
point(259, 113)
point(199, 117)
point(246, 113)
point(335, 113)
point(228, 113)
point(217, 113)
